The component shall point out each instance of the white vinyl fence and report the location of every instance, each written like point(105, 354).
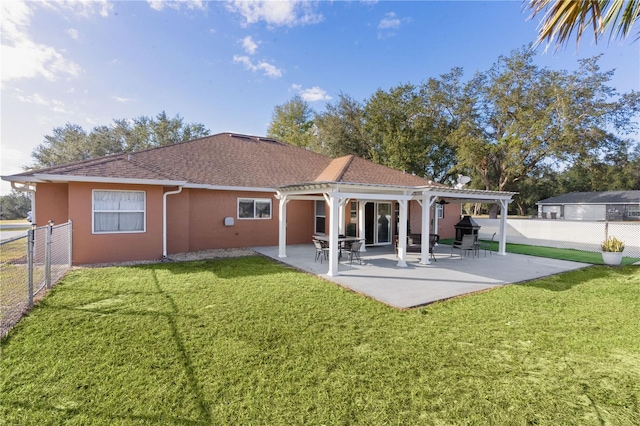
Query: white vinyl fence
point(579, 234)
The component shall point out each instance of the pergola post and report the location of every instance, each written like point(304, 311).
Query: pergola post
point(502, 249)
point(334, 218)
point(361, 230)
point(402, 237)
point(426, 203)
point(341, 229)
point(282, 225)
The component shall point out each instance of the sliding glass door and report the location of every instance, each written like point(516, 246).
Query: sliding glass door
point(378, 221)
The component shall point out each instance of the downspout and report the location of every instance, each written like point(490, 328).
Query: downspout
point(32, 196)
point(164, 220)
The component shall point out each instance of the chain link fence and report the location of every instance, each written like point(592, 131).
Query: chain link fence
point(29, 265)
point(578, 235)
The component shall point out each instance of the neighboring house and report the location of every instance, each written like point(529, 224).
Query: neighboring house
point(225, 191)
point(609, 205)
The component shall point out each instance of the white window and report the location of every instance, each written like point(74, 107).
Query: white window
point(254, 208)
point(633, 211)
point(440, 211)
point(118, 211)
point(321, 217)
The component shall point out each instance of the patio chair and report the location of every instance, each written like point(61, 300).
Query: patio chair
point(433, 240)
point(322, 251)
point(468, 244)
point(487, 245)
point(354, 251)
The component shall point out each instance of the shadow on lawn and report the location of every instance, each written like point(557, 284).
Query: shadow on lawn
point(54, 412)
point(193, 386)
point(225, 268)
point(184, 356)
point(568, 280)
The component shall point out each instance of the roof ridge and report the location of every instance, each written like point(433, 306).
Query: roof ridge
point(345, 166)
point(334, 171)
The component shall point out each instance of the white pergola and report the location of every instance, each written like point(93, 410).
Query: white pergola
point(337, 194)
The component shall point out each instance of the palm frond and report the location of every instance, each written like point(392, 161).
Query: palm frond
point(563, 17)
point(621, 16)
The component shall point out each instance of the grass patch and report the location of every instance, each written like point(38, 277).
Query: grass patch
point(554, 253)
point(248, 341)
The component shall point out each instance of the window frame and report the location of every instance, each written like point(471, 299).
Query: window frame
point(255, 201)
point(316, 216)
point(94, 211)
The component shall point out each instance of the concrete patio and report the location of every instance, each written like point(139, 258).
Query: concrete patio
point(379, 278)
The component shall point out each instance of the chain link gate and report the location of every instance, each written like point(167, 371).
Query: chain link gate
point(30, 264)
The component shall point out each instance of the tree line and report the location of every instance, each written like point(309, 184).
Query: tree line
point(72, 142)
point(515, 127)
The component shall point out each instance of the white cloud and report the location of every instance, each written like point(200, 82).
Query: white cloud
point(177, 4)
point(314, 94)
point(22, 56)
point(268, 69)
point(249, 45)
point(390, 21)
point(122, 99)
point(277, 13)
point(73, 33)
point(85, 8)
point(15, 15)
point(28, 60)
point(55, 105)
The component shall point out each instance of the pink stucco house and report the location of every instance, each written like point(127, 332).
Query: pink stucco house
point(230, 190)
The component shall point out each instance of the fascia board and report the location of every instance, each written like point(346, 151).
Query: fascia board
point(185, 184)
point(96, 179)
point(20, 179)
point(227, 188)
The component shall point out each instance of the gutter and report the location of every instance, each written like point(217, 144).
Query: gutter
point(164, 220)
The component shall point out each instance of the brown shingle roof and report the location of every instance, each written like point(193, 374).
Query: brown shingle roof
point(235, 160)
point(228, 159)
point(364, 171)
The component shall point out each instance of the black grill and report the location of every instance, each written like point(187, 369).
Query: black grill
point(466, 226)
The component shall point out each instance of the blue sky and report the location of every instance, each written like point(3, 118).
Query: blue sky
point(226, 64)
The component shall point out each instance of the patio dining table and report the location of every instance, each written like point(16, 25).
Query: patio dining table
point(341, 241)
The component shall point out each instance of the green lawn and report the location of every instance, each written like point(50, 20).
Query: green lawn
point(249, 341)
point(554, 253)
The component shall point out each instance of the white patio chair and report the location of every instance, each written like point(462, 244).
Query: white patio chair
point(322, 251)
